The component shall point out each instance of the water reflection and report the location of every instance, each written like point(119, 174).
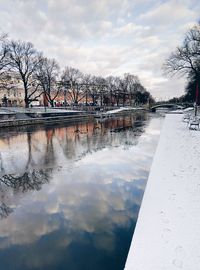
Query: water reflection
point(70, 195)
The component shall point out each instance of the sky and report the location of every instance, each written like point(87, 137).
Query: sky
point(106, 37)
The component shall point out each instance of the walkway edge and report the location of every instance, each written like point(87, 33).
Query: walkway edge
point(44, 120)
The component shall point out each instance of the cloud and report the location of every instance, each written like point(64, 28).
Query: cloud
point(88, 207)
point(130, 29)
point(95, 197)
point(159, 14)
point(104, 37)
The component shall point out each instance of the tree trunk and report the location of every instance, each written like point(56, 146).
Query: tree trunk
point(111, 98)
point(52, 103)
point(26, 101)
point(86, 98)
point(123, 100)
point(93, 99)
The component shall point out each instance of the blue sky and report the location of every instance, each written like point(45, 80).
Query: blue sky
point(106, 37)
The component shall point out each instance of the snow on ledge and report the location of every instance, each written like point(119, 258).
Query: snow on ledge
point(121, 109)
point(167, 234)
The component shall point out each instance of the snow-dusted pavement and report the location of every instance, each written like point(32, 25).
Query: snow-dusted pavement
point(33, 110)
point(122, 109)
point(167, 234)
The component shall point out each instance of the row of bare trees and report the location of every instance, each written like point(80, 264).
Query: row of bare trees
point(40, 76)
point(185, 61)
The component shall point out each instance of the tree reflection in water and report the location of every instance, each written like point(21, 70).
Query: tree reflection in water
point(90, 178)
point(30, 180)
point(4, 210)
point(76, 141)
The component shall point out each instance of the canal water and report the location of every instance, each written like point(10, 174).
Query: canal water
point(70, 194)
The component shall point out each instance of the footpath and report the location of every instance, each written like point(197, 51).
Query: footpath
point(167, 234)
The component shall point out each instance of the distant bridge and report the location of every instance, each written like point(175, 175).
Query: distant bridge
point(167, 106)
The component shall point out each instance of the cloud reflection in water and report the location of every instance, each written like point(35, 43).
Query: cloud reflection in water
point(87, 197)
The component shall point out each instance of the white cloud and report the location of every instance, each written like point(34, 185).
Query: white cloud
point(129, 29)
point(104, 37)
point(80, 200)
point(160, 14)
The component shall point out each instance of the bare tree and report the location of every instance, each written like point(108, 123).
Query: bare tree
point(87, 86)
point(74, 77)
point(111, 86)
point(93, 90)
point(132, 85)
point(47, 75)
point(193, 37)
point(101, 87)
point(186, 58)
point(24, 61)
point(117, 92)
point(3, 53)
point(124, 89)
point(4, 61)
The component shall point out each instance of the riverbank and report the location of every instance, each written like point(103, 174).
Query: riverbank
point(10, 116)
point(167, 232)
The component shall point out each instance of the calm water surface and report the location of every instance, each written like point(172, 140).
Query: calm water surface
point(70, 194)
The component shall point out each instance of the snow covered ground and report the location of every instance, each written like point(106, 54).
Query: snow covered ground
point(116, 110)
point(33, 110)
point(167, 234)
point(121, 109)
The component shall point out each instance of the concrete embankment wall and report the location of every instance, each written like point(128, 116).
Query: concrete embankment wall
point(30, 118)
point(44, 120)
point(167, 234)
